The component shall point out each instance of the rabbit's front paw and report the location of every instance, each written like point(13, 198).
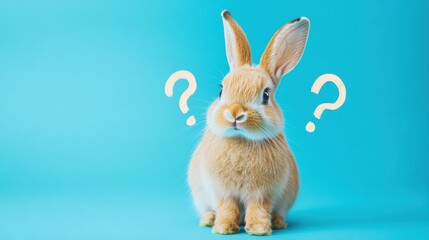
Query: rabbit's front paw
point(207, 220)
point(258, 228)
point(278, 222)
point(225, 228)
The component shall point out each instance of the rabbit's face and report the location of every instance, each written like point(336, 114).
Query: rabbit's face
point(246, 106)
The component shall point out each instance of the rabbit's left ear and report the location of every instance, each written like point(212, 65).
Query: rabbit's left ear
point(285, 48)
point(237, 46)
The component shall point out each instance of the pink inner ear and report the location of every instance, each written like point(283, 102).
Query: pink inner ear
point(284, 53)
point(231, 51)
point(288, 61)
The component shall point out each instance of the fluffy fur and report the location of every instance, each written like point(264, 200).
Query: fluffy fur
point(243, 170)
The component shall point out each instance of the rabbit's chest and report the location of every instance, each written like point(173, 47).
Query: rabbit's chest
point(245, 169)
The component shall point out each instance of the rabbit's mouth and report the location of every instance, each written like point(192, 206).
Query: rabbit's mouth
point(234, 132)
point(236, 126)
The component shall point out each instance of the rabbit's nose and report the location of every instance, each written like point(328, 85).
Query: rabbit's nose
point(240, 118)
point(235, 113)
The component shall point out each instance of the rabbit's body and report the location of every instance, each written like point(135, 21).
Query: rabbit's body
point(243, 170)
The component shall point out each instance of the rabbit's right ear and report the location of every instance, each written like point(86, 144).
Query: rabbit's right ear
point(237, 46)
point(285, 48)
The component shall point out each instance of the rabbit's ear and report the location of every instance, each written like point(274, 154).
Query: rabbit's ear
point(285, 48)
point(237, 46)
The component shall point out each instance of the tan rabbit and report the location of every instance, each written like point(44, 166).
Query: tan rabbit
point(243, 166)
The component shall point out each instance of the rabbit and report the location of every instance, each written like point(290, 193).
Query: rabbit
point(243, 171)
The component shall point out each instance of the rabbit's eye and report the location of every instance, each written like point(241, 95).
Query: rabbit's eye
point(266, 96)
point(220, 93)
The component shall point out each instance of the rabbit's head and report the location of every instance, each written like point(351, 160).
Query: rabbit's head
point(246, 106)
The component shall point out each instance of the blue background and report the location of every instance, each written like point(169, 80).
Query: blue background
point(91, 148)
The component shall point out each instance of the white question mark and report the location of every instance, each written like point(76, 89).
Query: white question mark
point(183, 102)
point(317, 85)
